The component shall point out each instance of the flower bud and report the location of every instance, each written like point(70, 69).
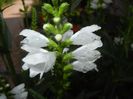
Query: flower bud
point(68, 68)
point(63, 8)
point(58, 37)
point(67, 57)
point(56, 19)
point(66, 27)
point(49, 28)
point(48, 8)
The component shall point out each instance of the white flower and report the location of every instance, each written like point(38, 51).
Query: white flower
point(38, 60)
point(39, 63)
point(87, 53)
point(86, 35)
point(34, 38)
point(3, 96)
point(19, 92)
point(84, 66)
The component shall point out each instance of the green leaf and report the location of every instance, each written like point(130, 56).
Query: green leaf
point(35, 94)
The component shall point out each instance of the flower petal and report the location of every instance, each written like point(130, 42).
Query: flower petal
point(37, 58)
point(31, 49)
point(85, 54)
point(3, 96)
point(34, 38)
point(39, 63)
point(67, 35)
point(21, 95)
point(18, 89)
point(85, 35)
point(84, 66)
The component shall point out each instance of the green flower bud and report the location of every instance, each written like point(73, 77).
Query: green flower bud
point(49, 28)
point(56, 20)
point(66, 27)
point(67, 57)
point(53, 44)
point(66, 43)
point(1, 88)
point(63, 8)
point(68, 68)
point(48, 8)
point(7, 85)
point(58, 37)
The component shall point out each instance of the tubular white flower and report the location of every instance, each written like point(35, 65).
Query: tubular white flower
point(3, 96)
point(31, 49)
point(85, 35)
point(19, 92)
point(84, 66)
point(85, 53)
point(34, 38)
point(39, 63)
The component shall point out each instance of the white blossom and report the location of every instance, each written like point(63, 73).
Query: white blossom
point(84, 54)
point(39, 63)
point(19, 92)
point(3, 96)
point(87, 54)
point(38, 60)
point(84, 66)
point(85, 35)
point(34, 38)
